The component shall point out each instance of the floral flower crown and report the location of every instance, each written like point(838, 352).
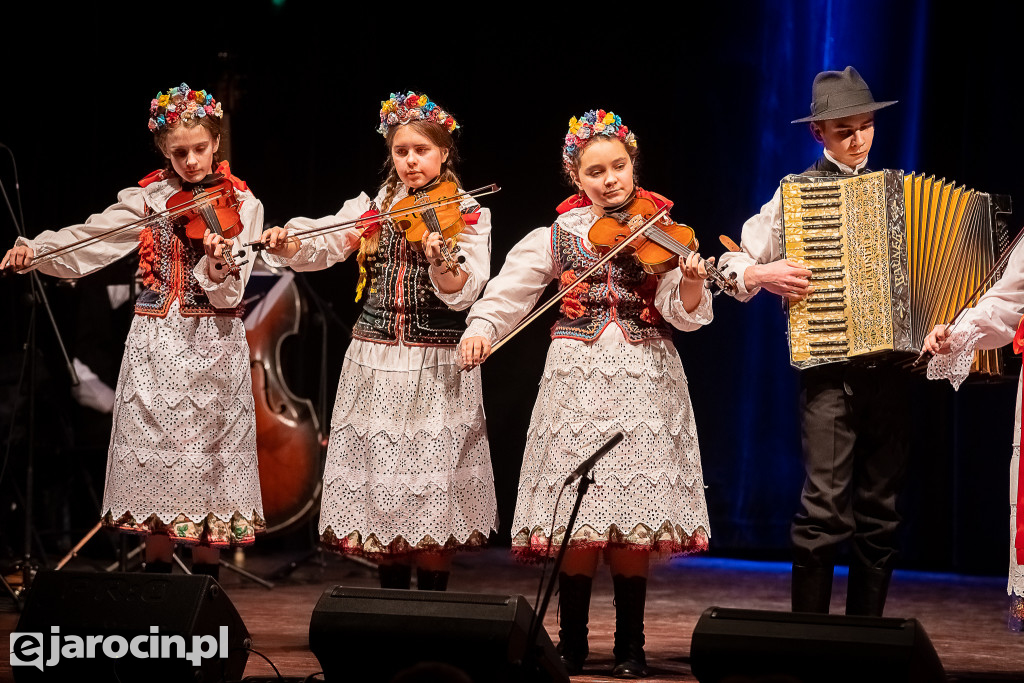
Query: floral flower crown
point(403, 108)
point(180, 104)
point(594, 122)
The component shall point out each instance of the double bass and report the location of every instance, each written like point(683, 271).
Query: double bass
point(288, 435)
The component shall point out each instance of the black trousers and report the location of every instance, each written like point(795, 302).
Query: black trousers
point(855, 451)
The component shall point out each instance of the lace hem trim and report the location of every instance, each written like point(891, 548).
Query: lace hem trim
point(170, 458)
point(603, 427)
point(668, 540)
point(587, 371)
point(463, 480)
point(354, 544)
point(173, 399)
point(654, 477)
point(369, 429)
point(210, 531)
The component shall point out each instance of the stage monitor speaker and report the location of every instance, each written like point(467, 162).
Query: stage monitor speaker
point(370, 634)
point(744, 646)
point(130, 618)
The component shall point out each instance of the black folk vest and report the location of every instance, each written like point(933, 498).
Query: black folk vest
point(619, 293)
point(401, 304)
point(167, 258)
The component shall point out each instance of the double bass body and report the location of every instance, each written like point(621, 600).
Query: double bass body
point(288, 437)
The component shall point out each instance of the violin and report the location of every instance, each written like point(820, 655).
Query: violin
point(370, 221)
point(659, 249)
point(210, 204)
point(426, 212)
point(185, 204)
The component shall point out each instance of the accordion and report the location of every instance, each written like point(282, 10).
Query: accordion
point(891, 256)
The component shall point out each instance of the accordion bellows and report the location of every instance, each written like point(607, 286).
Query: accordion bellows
point(891, 256)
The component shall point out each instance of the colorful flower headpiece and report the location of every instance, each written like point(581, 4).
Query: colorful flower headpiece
point(180, 104)
point(402, 109)
point(594, 122)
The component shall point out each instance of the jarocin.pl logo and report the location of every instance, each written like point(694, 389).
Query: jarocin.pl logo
point(27, 648)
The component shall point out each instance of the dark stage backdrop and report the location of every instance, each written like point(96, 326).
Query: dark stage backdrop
point(710, 96)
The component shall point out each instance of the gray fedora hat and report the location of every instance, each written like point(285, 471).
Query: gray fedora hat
point(836, 94)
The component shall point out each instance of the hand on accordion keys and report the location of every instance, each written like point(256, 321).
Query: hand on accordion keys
point(786, 278)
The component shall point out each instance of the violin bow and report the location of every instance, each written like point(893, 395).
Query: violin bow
point(43, 259)
point(982, 286)
point(325, 229)
point(656, 216)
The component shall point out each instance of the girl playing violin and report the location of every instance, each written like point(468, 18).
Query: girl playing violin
point(611, 368)
point(182, 461)
point(408, 476)
point(993, 322)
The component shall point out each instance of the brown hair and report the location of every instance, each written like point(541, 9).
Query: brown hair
point(437, 135)
point(632, 150)
point(210, 123)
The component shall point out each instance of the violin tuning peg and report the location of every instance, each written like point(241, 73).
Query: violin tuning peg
point(461, 259)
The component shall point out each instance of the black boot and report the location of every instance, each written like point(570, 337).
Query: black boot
point(812, 588)
point(573, 615)
point(395, 575)
point(431, 580)
point(867, 590)
point(206, 569)
point(157, 567)
point(630, 598)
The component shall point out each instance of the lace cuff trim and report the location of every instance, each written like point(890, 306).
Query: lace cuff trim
point(956, 365)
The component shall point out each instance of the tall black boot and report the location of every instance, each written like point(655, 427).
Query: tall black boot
point(431, 580)
point(573, 616)
point(867, 590)
point(630, 599)
point(207, 569)
point(395, 575)
point(157, 567)
point(812, 588)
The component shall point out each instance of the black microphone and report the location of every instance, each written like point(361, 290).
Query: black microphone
point(589, 463)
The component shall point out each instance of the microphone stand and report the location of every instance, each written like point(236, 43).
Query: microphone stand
point(28, 564)
point(585, 481)
point(586, 478)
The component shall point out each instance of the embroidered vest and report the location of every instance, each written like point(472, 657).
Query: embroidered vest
point(167, 258)
point(621, 292)
point(401, 303)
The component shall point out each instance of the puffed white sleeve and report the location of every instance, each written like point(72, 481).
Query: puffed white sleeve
point(760, 242)
point(229, 292)
point(510, 296)
point(475, 245)
point(323, 251)
point(988, 325)
point(670, 304)
point(129, 208)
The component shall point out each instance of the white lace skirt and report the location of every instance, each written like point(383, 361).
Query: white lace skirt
point(408, 463)
point(649, 490)
point(182, 457)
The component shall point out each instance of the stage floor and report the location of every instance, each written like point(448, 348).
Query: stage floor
point(965, 617)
